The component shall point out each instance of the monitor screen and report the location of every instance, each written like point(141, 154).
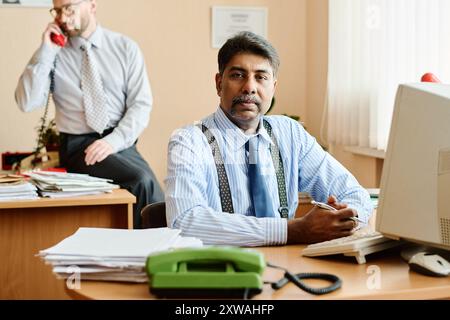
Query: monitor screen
point(415, 186)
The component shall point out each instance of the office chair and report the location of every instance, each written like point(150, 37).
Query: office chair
point(154, 215)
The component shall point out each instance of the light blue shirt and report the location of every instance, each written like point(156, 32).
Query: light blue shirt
point(192, 187)
point(122, 68)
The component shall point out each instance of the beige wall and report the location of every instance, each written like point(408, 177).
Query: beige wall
point(317, 64)
point(176, 40)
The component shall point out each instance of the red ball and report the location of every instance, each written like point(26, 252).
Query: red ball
point(429, 77)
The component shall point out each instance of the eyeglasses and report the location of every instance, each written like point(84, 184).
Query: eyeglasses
point(68, 10)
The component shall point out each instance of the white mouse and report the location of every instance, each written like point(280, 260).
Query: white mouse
point(430, 264)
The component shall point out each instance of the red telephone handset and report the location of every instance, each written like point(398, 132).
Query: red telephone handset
point(58, 39)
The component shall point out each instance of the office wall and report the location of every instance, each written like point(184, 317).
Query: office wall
point(317, 63)
point(176, 40)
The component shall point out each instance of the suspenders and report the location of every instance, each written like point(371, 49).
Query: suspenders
point(224, 186)
point(279, 171)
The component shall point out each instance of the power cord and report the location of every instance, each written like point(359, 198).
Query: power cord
point(335, 281)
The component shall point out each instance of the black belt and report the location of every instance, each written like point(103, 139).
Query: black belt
point(92, 134)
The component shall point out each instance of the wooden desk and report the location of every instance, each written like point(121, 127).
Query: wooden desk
point(397, 282)
point(29, 226)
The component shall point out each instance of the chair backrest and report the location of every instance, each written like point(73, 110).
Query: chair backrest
point(154, 215)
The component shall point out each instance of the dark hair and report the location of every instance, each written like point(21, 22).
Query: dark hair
point(248, 42)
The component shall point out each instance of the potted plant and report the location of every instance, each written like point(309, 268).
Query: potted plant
point(50, 138)
point(48, 141)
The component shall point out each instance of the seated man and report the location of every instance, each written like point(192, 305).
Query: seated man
point(234, 178)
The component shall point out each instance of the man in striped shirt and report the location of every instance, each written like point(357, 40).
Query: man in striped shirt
point(208, 193)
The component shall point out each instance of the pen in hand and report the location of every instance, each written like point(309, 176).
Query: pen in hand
point(328, 207)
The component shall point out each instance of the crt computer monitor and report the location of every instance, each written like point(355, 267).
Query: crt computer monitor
point(415, 185)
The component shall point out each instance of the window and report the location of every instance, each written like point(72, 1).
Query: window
point(374, 45)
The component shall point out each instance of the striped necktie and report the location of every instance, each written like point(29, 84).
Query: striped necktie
point(94, 98)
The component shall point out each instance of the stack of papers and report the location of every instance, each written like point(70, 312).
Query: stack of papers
point(112, 254)
point(61, 185)
point(14, 187)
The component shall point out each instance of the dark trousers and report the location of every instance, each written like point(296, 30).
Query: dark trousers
point(126, 168)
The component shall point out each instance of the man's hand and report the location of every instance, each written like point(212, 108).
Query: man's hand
point(332, 201)
point(97, 152)
point(321, 225)
point(51, 28)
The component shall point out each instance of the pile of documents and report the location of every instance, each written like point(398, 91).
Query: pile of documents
point(13, 187)
point(112, 254)
point(62, 185)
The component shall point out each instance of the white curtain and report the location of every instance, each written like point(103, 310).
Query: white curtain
point(374, 45)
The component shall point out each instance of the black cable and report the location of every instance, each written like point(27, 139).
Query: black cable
point(43, 125)
point(336, 282)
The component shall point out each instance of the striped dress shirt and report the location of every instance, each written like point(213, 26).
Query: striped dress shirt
point(192, 186)
point(122, 68)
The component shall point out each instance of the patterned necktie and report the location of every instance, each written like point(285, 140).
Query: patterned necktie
point(93, 94)
point(262, 201)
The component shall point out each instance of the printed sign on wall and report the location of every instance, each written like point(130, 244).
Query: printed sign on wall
point(227, 21)
point(26, 3)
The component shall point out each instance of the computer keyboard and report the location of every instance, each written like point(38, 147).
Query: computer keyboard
point(360, 244)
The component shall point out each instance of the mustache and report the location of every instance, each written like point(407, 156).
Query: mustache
point(66, 28)
point(246, 99)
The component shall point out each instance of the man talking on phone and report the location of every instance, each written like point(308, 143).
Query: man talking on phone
point(102, 97)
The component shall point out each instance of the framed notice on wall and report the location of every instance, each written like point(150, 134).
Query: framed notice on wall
point(26, 3)
point(227, 21)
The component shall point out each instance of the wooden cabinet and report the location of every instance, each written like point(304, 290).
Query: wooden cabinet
point(26, 227)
